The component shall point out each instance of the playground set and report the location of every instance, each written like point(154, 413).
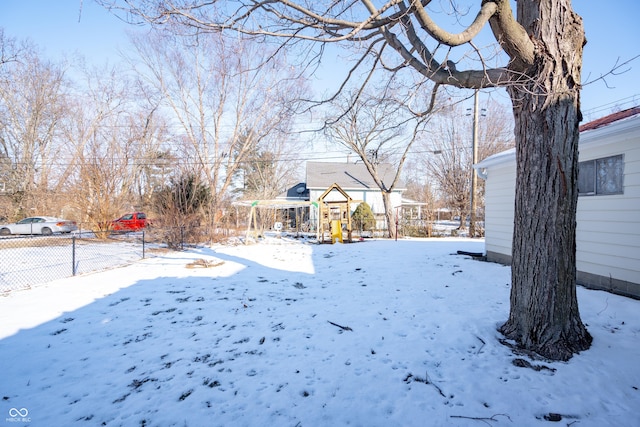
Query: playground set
point(331, 214)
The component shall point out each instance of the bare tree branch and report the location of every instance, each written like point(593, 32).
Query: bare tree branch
point(393, 20)
point(487, 10)
point(615, 70)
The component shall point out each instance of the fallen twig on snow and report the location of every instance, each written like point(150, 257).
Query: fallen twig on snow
point(483, 419)
point(521, 363)
point(344, 328)
point(425, 380)
point(483, 344)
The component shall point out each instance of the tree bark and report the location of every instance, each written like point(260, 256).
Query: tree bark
point(544, 315)
point(389, 214)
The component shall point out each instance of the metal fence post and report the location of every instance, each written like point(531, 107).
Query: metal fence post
point(73, 255)
point(142, 244)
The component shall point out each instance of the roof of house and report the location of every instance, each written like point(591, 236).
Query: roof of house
point(298, 191)
point(606, 120)
point(597, 130)
point(349, 176)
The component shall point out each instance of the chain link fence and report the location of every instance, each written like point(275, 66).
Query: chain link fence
point(27, 261)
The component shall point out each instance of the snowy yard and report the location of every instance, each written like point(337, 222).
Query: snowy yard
point(286, 333)
point(29, 261)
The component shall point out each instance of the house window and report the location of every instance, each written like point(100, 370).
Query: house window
point(601, 176)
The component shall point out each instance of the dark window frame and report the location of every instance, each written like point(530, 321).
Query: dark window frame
point(603, 176)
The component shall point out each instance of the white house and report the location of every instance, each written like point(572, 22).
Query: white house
point(354, 179)
point(608, 216)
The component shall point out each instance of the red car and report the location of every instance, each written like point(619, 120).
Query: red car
point(131, 222)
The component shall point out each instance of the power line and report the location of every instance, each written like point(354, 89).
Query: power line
point(630, 101)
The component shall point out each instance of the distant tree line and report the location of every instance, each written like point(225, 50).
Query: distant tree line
point(181, 112)
point(187, 124)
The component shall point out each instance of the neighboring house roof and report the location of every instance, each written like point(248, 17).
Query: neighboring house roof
point(349, 176)
point(606, 120)
point(297, 192)
point(496, 159)
point(590, 133)
point(411, 202)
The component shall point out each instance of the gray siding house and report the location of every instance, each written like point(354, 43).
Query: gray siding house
point(353, 178)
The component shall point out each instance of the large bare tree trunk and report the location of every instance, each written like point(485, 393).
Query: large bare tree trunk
point(544, 313)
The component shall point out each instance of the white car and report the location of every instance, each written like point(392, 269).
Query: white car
point(45, 225)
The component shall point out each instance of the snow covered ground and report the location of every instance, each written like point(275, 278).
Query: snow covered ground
point(286, 333)
point(30, 261)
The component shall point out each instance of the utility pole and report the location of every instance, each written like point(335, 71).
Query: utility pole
point(474, 176)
